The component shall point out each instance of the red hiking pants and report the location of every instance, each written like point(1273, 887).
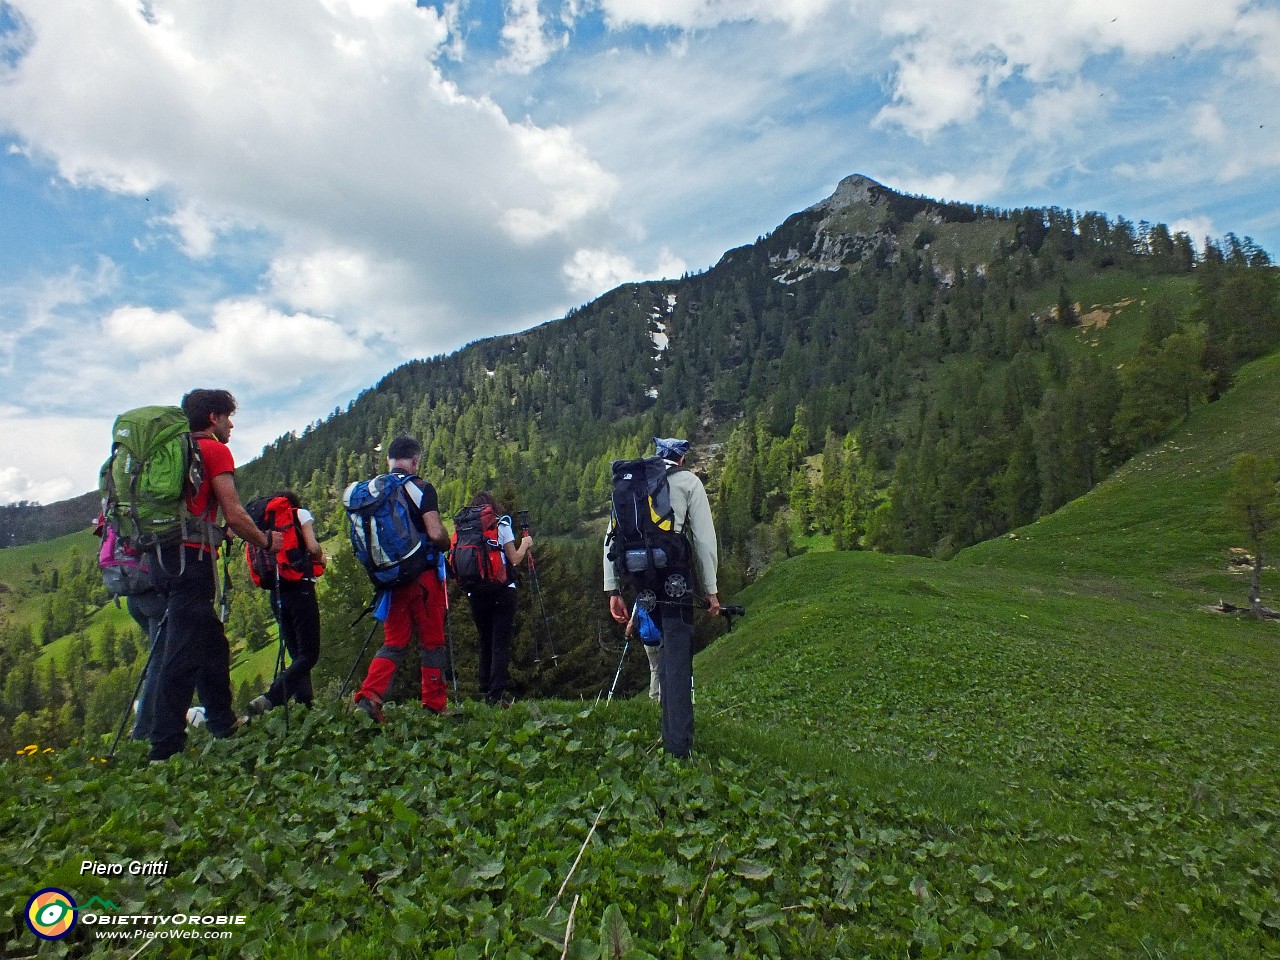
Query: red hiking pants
point(416, 607)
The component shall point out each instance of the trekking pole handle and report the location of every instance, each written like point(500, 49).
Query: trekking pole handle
point(522, 518)
point(727, 610)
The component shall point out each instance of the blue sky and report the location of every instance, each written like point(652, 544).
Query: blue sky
point(290, 198)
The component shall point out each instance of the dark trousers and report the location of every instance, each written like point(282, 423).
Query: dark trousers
point(494, 611)
point(147, 610)
point(197, 658)
point(676, 676)
point(299, 619)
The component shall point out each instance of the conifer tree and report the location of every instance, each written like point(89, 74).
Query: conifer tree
point(1253, 505)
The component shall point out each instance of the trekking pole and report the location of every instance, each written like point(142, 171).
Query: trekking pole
point(278, 609)
point(728, 611)
point(537, 639)
point(537, 591)
point(625, 647)
point(453, 661)
point(523, 517)
point(359, 656)
point(142, 678)
point(442, 571)
point(225, 608)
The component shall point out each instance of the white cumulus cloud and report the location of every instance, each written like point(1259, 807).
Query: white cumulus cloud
point(526, 38)
point(143, 330)
point(593, 272)
point(702, 14)
point(263, 347)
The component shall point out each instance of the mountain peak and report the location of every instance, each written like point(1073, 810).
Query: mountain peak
point(851, 191)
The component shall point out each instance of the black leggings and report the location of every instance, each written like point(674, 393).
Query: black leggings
point(494, 611)
point(299, 619)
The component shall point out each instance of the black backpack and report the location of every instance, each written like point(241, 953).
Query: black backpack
point(642, 539)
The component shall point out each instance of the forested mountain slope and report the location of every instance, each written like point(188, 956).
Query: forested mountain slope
point(957, 368)
point(880, 371)
point(1161, 518)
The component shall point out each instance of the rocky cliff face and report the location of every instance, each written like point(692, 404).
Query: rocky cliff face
point(845, 228)
point(851, 191)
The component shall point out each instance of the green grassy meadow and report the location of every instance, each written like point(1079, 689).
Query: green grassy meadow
point(1046, 747)
point(21, 569)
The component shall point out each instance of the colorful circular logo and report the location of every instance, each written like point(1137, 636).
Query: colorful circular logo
point(51, 914)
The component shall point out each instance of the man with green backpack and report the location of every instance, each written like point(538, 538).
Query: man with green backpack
point(164, 486)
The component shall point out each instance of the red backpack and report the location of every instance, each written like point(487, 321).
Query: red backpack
point(475, 555)
point(292, 560)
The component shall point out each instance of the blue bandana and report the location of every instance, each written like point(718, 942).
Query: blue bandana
point(670, 448)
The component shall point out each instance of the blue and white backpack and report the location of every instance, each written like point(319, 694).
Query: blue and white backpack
point(386, 531)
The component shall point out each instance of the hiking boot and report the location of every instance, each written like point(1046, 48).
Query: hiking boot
point(232, 730)
point(369, 707)
point(259, 705)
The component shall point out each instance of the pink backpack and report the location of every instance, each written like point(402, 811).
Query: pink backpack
point(125, 572)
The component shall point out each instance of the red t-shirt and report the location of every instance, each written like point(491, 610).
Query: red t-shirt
point(217, 461)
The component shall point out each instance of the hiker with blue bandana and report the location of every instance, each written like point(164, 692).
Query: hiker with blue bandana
point(660, 537)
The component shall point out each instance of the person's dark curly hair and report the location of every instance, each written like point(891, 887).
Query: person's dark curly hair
point(201, 406)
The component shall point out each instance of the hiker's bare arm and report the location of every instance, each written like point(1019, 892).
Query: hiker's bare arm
point(311, 543)
point(516, 554)
point(435, 529)
point(224, 490)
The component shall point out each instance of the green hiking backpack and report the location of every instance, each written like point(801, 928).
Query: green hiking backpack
point(154, 464)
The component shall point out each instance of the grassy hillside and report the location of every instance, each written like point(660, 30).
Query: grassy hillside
point(1066, 688)
point(1159, 522)
point(1045, 748)
point(22, 569)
